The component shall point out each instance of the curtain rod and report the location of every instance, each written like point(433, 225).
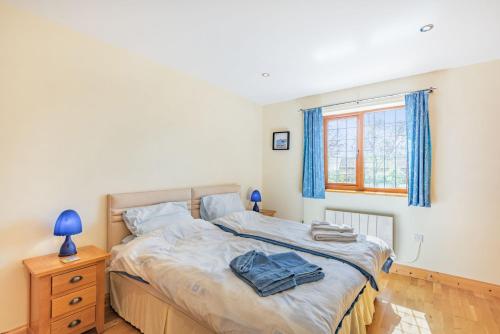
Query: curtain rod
point(430, 90)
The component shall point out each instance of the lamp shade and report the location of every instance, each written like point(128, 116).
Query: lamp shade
point(68, 223)
point(255, 196)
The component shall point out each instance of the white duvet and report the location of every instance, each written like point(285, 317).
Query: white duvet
point(189, 264)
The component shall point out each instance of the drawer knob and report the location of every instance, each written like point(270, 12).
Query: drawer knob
point(75, 300)
point(76, 279)
point(74, 323)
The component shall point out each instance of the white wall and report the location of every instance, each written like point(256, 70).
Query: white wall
point(462, 229)
point(80, 119)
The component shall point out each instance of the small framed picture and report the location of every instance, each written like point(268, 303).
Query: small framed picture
point(281, 140)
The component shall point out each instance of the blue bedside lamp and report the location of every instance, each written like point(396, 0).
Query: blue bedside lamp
point(255, 198)
point(67, 224)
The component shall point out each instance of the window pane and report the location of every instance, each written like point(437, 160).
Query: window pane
point(369, 171)
point(352, 122)
point(351, 145)
point(351, 133)
point(332, 134)
point(342, 147)
point(342, 123)
point(390, 131)
point(385, 149)
point(401, 177)
point(401, 115)
point(379, 178)
point(378, 119)
point(342, 133)
point(390, 116)
point(400, 129)
point(351, 178)
point(400, 147)
point(390, 178)
point(378, 145)
point(369, 179)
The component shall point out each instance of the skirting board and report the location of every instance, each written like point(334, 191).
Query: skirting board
point(19, 330)
point(450, 280)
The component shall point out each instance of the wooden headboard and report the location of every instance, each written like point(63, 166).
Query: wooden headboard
point(117, 203)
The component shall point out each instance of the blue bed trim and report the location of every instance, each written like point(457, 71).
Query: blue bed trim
point(387, 265)
point(124, 273)
point(349, 310)
point(369, 277)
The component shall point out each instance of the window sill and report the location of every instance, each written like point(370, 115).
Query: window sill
point(380, 193)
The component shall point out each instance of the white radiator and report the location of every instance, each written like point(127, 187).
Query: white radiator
point(364, 223)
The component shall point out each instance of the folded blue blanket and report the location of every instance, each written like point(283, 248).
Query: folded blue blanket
point(268, 275)
point(305, 272)
point(264, 275)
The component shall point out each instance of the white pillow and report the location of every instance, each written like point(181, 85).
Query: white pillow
point(220, 205)
point(142, 220)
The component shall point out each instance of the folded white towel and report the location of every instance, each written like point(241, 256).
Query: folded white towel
point(320, 223)
point(325, 226)
point(334, 236)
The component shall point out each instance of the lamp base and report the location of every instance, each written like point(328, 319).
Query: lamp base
point(68, 247)
point(256, 207)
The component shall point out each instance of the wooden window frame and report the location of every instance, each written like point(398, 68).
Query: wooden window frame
point(359, 185)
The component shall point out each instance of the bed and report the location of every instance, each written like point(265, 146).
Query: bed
point(155, 307)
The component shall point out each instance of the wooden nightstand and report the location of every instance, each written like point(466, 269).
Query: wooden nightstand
point(269, 213)
point(67, 297)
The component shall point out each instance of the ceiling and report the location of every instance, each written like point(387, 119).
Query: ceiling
point(307, 46)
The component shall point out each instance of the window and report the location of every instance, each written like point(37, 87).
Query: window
point(366, 151)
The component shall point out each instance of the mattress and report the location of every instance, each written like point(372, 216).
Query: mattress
point(151, 312)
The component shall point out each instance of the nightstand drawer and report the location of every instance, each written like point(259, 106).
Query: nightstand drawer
point(73, 301)
point(74, 323)
point(73, 279)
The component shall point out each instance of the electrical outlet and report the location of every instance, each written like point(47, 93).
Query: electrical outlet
point(418, 237)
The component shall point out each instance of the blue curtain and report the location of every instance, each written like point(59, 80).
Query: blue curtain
point(313, 172)
point(419, 149)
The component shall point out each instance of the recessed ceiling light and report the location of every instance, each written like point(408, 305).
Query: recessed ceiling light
point(427, 27)
point(265, 74)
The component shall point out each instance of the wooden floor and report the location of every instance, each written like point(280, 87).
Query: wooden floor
point(115, 325)
point(409, 305)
